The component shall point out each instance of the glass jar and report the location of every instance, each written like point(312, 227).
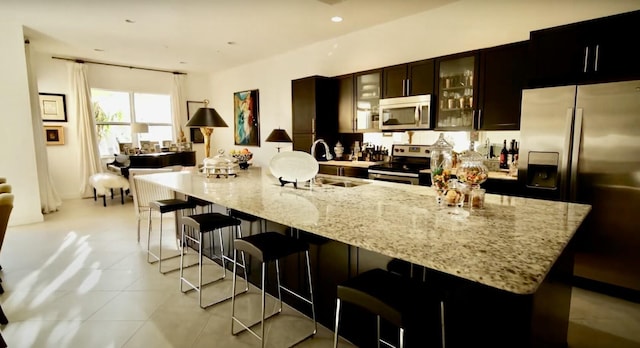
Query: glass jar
point(220, 164)
point(472, 170)
point(476, 200)
point(441, 163)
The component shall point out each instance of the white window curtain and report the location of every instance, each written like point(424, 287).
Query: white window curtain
point(81, 107)
point(178, 106)
point(49, 199)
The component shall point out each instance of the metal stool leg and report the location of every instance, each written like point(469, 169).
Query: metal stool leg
point(335, 329)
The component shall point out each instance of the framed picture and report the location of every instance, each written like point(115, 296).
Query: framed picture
point(54, 135)
point(53, 107)
point(194, 133)
point(246, 118)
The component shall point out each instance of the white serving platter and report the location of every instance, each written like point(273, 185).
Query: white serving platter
point(294, 166)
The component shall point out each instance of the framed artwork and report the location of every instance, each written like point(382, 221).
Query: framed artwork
point(54, 135)
point(194, 133)
point(53, 107)
point(246, 118)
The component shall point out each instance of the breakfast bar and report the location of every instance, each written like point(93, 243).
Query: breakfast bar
point(504, 267)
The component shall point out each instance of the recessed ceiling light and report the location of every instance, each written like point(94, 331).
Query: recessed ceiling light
point(231, 42)
point(183, 62)
point(98, 49)
point(131, 21)
point(336, 19)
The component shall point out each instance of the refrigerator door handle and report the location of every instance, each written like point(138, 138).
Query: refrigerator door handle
point(575, 152)
point(566, 155)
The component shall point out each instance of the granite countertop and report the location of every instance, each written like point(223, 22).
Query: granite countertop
point(358, 164)
point(510, 245)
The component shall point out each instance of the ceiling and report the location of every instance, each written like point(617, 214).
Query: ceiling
point(193, 35)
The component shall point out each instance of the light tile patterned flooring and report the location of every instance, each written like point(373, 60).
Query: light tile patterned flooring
point(79, 279)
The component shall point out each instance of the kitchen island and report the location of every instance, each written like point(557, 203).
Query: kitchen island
point(503, 266)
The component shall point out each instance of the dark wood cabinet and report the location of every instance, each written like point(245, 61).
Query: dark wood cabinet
point(482, 90)
point(457, 92)
point(592, 51)
point(353, 172)
point(314, 102)
point(346, 105)
point(503, 74)
point(404, 80)
point(367, 100)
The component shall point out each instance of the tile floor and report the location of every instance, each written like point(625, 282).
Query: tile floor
point(80, 279)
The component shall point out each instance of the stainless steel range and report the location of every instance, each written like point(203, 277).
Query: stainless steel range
point(405, 165)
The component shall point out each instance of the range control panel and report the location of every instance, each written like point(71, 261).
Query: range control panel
point(402, 150)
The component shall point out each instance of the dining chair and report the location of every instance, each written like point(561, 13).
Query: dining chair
point(144, 192)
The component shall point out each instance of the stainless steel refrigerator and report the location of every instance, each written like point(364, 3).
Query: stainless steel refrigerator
point(582, 144)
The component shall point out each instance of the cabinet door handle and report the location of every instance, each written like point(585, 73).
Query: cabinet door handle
point(408, 87)
point(404, 87)
point(479, 119)
point(586, 58)
point(597, 54)
point(313, 125)
point(473, 119)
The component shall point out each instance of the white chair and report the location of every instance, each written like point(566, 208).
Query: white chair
point(144, 192)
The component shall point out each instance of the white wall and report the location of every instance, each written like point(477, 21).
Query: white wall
point(17, 159)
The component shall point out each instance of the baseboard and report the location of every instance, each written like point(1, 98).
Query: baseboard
point(607, 289)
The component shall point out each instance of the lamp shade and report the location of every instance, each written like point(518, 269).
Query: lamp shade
point(279, 136)
point(206, 117)
point(140, 127)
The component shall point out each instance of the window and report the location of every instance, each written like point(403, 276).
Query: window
point(116, 111)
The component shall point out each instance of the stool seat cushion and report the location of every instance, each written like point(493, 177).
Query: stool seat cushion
point(270, 246)
point(397, 299)
point(169, 205)
point(209, 221)
point(199, 202)
point(106, 181)
point(243, 216)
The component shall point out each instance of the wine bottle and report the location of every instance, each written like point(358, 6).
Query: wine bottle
point(512, 152)
point(504, 154)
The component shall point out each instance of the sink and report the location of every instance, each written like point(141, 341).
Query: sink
point(345, 183)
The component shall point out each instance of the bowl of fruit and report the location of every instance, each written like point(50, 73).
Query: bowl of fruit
point(243, 156)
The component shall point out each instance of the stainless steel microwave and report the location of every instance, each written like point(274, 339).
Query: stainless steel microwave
point(405, 113)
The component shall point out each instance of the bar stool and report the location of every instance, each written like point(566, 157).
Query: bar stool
point(396, 299)
point(205, 223)
point(249, 218)
point(201, 203)
point(165, 206)
point(266, 247)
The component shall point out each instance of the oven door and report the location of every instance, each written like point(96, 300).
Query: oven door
point(398, 177)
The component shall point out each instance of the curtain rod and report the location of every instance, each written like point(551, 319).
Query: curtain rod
point(118, 65)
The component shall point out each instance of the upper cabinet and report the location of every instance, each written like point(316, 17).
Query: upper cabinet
point(346, 106)
point(408, 79)
point(503, 74)
point(367, 100)
point(457, 91)
point(586, 52)
point(314, 111)
point(482, 90)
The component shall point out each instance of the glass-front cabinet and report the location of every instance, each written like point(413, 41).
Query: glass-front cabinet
point(457, 92)
point(368, 88)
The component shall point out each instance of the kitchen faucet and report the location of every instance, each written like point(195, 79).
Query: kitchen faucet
point(326, 149)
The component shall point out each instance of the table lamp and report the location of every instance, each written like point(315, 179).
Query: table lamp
point(206, 119)
point(139, 128)
point(279, 136)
